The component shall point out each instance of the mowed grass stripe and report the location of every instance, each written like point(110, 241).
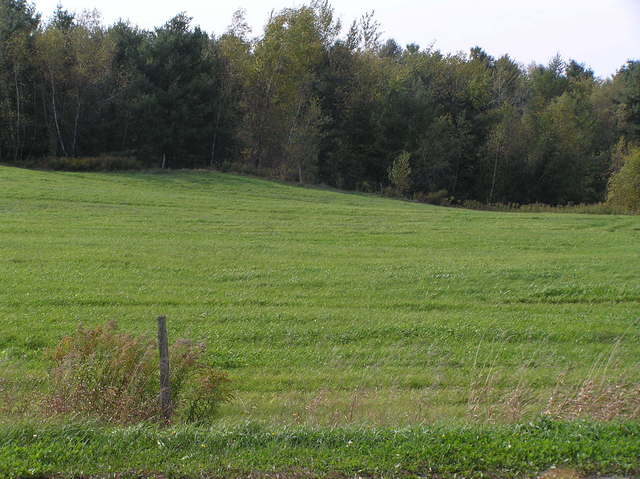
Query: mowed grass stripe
point(309, 295)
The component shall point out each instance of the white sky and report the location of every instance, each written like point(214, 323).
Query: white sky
point(600, 33)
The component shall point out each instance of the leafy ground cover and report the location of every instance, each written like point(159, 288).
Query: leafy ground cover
point(326, 308)
point(251, 450)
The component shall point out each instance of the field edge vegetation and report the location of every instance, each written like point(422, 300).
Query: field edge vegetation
point(309, 99)
point(443, 451)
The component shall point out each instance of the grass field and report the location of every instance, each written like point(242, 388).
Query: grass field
point(364, 336)
point(325, 308)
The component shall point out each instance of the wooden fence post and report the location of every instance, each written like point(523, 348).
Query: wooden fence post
point(165, 388)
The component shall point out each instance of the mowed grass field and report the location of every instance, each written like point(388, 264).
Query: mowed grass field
point(325, 308)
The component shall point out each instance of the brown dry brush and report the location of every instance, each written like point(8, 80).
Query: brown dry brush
point(596, 400)
point(597, 397)
point(114, 376)
point(590, 400)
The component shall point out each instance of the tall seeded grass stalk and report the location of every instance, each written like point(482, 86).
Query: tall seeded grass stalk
point(598, 396)
point(114, 376)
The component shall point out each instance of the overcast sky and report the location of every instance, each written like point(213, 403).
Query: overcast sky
point(600, 33)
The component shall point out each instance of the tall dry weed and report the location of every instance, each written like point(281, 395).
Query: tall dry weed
point(114, 376)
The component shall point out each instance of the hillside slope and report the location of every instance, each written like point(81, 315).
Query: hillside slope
point(324, 307)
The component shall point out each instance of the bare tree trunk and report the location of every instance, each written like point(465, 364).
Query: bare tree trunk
point(495, 173)
point(295, 121)
point(17, 147)
point(215, 137)
point(262, 118)
point(52, 141)
point(291, 132)
point(213, 149)
point(55, 113)
point(124, 133)
point(455, 178)
point(493, 179)
point(75, 127)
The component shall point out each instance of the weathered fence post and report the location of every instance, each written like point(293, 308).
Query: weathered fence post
point(165, 389)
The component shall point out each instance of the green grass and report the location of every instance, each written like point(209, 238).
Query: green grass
point(325, 308)
point(437, 451)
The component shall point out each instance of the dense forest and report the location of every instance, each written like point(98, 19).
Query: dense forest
point(311, 101)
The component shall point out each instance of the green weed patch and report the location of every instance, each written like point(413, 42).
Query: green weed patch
point(85, 450)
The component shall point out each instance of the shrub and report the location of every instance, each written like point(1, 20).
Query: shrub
point(389, 191)
point(97, 163)
point(114, 376)
point(400, 173)
point(366, 187)
point(440, 197)
point(624, 186)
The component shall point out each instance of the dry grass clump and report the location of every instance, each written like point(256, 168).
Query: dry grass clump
point(494, 396)
point(596, 400)
point(599, 396)
point(591, 400)
point(114, 376)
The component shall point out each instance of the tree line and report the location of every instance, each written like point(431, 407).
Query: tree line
point(309, 101)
